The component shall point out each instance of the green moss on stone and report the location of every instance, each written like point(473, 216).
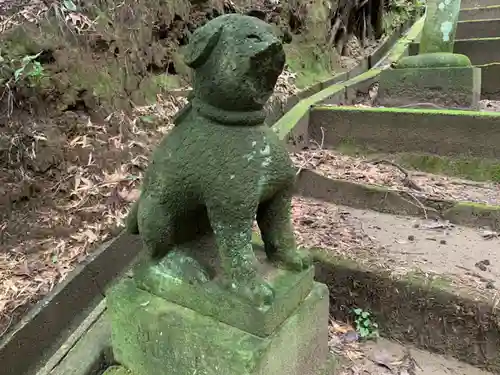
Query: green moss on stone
point(401, 45)
point(288, 121)
point(117, 370)
point(471, 168)
point(292, 117)
point(210, 299)
point(438, 34)
point(449, 112)
point(477, 206)
point(474, 214)
point(151, 336)
point(433, 60)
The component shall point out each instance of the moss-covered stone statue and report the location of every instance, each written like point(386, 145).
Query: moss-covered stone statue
point(221, 167)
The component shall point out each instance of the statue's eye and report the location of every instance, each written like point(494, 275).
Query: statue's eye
point(254, 37)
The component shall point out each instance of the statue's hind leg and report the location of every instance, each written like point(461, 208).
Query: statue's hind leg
point(157, 226)
point(155, 220)
point(275, 224)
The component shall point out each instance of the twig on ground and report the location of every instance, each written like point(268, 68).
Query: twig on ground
point(7, 326)
point(489, 234)
point(407, 181)
point(419, 204)
point(314, 154)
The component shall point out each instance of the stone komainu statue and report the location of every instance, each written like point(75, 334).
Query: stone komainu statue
point(221, 166)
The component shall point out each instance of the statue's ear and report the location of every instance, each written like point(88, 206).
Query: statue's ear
point(201, 45)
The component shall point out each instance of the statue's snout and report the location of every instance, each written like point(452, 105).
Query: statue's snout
point(269, 58)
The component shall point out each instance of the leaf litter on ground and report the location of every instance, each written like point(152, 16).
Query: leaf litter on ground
point(89, 200)
point(356, 357)
point(388, 174)
point(73, 211)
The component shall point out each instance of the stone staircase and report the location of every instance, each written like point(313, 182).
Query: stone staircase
point(429, 266)
point(478, 36)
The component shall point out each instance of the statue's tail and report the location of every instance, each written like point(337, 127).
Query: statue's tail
point(132, 226)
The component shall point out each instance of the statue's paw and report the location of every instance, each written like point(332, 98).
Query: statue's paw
point(295, 260)
point(257, 292)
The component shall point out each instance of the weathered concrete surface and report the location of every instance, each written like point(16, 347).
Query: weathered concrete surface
point(388, 130)
point(211, 300)
point(43, 329)
point(426, 309)
point(396, 202)
point(440, 25)
point(478, 29)
point(430, 364)
point(480, 51)
point(446, 87)
point(490, 81)
point(86, 351)
point(487, 13)
point(150, 334)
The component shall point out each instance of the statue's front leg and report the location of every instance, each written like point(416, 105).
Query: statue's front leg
point(232, 226)
point(275, 223)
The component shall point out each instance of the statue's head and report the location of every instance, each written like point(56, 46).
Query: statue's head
point(236, 61)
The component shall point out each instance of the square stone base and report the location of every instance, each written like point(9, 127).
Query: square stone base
point(417, 87)
point(151, 336)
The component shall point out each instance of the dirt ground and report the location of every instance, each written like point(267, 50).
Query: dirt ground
point(385, 173)
point(68, 193)
point(383, 357)
point(401, 244)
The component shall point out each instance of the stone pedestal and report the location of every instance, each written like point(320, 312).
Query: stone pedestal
point(165, 326)
point(455, 87)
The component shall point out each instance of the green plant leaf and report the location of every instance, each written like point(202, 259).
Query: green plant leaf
point(365, 314)
point(18, 72)
point(363, 332)
point(357, 311)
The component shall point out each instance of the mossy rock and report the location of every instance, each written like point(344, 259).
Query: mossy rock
point(433, 60)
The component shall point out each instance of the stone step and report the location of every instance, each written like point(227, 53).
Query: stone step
point(465, 4)
point(486, 13)
point(490, 81)
point(403, 130)
point(426, 283)
point(478, 29)
point(480, 51)
point(386, 357)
